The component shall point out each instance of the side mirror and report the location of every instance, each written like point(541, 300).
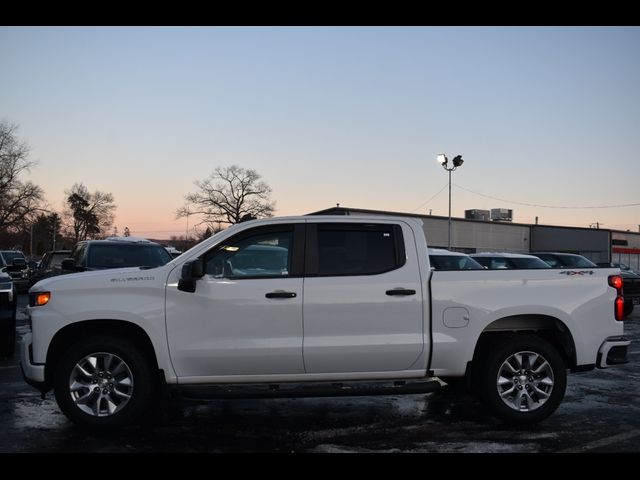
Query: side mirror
point(68, 264)
point(191, 272)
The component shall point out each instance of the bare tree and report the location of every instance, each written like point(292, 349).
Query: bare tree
point(19, 200)
point(228, 195)
point(88, 215)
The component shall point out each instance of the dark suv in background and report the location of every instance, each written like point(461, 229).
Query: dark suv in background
point(115, 252)
point(50, 265)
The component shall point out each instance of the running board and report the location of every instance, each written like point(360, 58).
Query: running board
point(302, 390)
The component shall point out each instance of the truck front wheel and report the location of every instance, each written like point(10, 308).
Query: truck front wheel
point(522, 380)
point(103, 383)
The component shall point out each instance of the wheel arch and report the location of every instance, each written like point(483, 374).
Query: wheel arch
point(550, 328)
point(70, 334)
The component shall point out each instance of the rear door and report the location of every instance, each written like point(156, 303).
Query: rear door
point(362, 309)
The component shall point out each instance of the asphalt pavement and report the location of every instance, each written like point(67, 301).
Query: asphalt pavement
point(600, 413)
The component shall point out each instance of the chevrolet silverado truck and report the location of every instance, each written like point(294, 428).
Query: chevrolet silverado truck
point(316, 306)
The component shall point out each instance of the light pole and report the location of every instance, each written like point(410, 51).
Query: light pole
point(457, 161)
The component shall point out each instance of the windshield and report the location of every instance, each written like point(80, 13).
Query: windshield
point(121, 256)
point(10, 256)
point(454, 262)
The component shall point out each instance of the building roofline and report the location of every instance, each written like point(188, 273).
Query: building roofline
point(346, 210)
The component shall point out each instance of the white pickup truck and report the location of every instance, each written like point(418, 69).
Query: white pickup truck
point(316, 305)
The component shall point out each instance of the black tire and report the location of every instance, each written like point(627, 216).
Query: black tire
point(139, 371)
point(494, 360)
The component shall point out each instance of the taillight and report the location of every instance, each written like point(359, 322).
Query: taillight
point(616, 282)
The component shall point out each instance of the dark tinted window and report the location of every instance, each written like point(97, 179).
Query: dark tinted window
point(454, 262)
point(121, 256)
point(358, 250)
point(78, 254)
point(263, 255)
point(10, 256)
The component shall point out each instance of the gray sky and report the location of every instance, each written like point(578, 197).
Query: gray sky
point(547, 116)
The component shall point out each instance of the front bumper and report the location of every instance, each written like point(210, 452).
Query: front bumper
point(613, 351)
point(33, 374)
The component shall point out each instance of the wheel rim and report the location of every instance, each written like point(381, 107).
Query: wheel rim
point(525, 381)
point(101, 384)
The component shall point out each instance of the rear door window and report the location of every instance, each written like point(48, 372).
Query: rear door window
point(356, 249)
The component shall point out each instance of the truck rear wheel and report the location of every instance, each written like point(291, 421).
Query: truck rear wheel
point(522, 380)
point(103, 383)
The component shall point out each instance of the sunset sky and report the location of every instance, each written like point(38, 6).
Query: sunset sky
point(543, 116)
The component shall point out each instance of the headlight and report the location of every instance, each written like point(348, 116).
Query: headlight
point(6, 286)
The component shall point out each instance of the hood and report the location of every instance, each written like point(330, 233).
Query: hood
point(99, 278)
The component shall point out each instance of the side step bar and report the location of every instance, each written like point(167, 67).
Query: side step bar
point(302, 390)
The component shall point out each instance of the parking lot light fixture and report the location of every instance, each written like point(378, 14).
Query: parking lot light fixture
point(457, 162)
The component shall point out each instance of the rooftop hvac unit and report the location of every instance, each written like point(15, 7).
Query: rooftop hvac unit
point(476, 214)
point(501, 215)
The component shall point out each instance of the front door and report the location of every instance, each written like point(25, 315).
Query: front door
point(245, 317)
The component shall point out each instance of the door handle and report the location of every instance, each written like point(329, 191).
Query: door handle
point(400, 291)
point(281, 294)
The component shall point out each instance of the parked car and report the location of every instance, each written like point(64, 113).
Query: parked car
point(354, 310)
point(115, 252)
point(441, 259)
point(508, 261)
point(15, 264)
point(564, 260)
point(631, 281)
point(8, 304)
point(50, 265)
